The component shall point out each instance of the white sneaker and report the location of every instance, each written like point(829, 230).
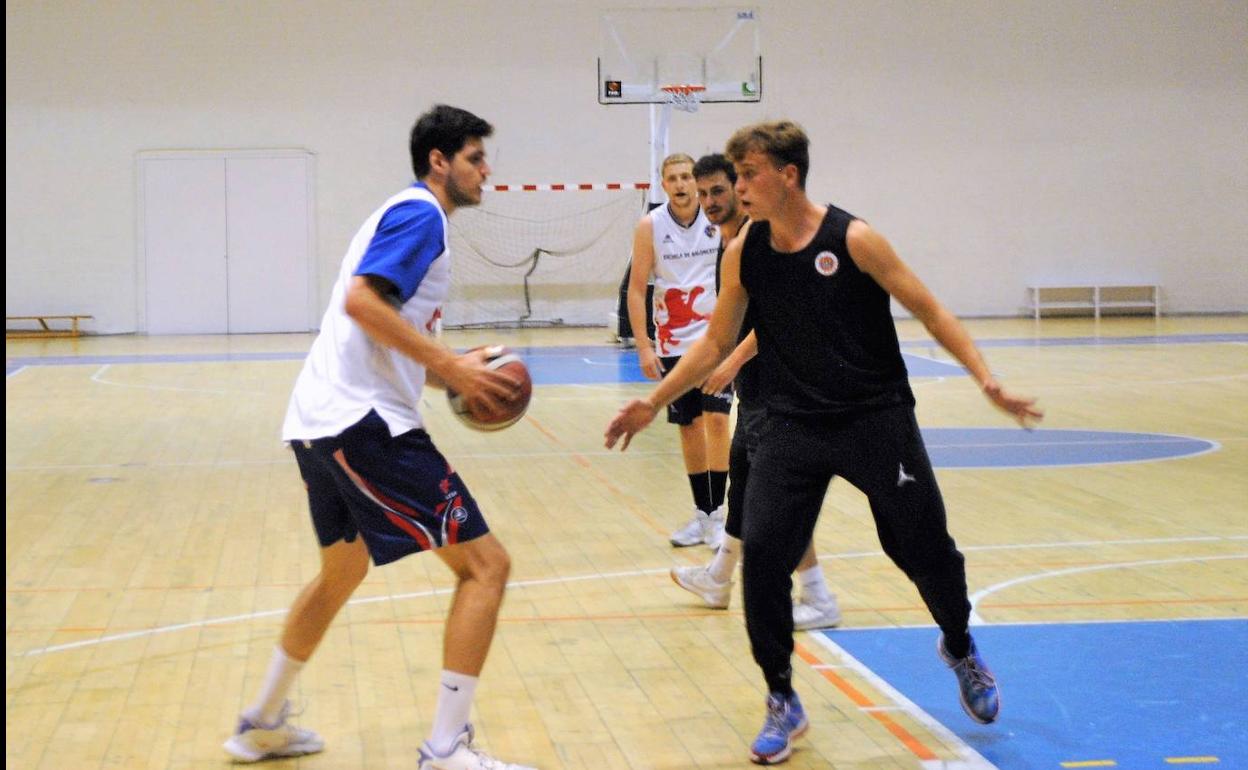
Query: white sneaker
point(695, 530)
point(253, 741)
point(699, 581)
point(464, 756)
point(808, 616)
point(715, 528)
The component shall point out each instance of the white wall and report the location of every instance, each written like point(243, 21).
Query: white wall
point(995, 143)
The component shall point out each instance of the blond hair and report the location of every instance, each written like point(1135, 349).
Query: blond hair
point(783, 140)
point(676, 157)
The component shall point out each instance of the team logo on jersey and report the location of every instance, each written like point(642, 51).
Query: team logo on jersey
point(667, 238)
point(459, 513)
point(826, 263)
point(710, 231)
point(432, 324)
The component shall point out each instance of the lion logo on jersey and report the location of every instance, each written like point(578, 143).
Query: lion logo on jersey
point(680, 313)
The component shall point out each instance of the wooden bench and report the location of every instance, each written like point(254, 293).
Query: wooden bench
point(44, 330)
point(1095, 297)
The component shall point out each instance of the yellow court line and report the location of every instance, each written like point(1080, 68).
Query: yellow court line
point(1092, 763)
point(1191, 760)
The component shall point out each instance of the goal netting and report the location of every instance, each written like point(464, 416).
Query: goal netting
point(541, 257)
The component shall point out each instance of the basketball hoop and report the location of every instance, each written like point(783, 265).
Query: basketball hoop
point(684, 97)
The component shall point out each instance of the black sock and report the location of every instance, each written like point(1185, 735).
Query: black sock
point(780, 683)
point(719, 483)
point(958, 645)
point(701, 489)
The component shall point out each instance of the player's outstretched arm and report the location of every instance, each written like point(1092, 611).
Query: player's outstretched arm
point(698, 362)
point(875, 256)
point(727, 371)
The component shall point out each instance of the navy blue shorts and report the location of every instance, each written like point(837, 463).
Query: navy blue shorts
point(398, 492)
point(693, 403)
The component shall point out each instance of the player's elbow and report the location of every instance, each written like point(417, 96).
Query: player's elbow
point(358, 301)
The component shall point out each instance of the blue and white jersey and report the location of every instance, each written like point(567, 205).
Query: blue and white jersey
point(346, 374)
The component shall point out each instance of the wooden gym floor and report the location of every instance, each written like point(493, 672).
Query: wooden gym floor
point(156, 530)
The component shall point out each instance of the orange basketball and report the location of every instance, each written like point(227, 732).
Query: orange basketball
point(506, 361)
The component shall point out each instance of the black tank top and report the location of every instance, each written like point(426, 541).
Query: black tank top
point(827, 343)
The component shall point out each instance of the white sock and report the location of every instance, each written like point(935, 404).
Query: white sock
point(277, 682)
point(814, 589)
point(726, 559)
point(454, 704)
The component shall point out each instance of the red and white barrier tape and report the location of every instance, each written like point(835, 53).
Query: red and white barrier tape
point(568, 187)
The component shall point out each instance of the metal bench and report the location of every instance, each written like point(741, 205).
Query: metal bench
point(1095, 297)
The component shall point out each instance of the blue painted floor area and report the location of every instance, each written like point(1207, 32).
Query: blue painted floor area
point(1018, 448)
point(587, 365)
point(949, 447)
point(1135, 693)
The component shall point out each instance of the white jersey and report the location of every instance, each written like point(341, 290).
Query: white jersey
point(346, 373)
point(684, 279)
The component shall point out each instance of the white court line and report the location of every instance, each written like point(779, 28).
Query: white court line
point(353, 602)
point(1214, 445)
point(18, 370)
point(870, 709)
point(232, 463)
point(842, 630)
point(98, 378)
point(1098, 442)
point(1118, 384)
point(588, 577)
point(975, 598)
point(969, 758)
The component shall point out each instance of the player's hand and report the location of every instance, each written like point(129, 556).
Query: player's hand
point(651, 366)
point(722, 377)
point(481, 388)
point(633, 417)
point(1021, 408)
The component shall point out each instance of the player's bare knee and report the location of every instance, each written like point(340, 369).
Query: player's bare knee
point(483, 561)
point(344, 575)
point(496, 568)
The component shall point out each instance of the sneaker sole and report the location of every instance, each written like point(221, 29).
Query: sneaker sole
point(245, 756)
point(713, 605)
point(786, 752)
point(816, 625)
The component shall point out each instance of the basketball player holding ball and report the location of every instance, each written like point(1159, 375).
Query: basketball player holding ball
point(377, 486)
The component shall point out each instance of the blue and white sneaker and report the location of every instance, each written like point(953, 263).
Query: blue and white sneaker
point(785, 721)
point(981, 699)
point(253, 741)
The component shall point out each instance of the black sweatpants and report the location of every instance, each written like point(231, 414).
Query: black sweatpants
point(750, 417)
point(882, 454)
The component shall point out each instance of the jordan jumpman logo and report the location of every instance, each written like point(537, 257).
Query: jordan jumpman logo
point(902, 476)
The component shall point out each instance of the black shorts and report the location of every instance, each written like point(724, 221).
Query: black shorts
point(691, 405)
point(398, 492)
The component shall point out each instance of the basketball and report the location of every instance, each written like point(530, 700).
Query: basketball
point(506, 361)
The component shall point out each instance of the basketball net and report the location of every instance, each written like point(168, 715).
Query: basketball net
point(684, 97)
